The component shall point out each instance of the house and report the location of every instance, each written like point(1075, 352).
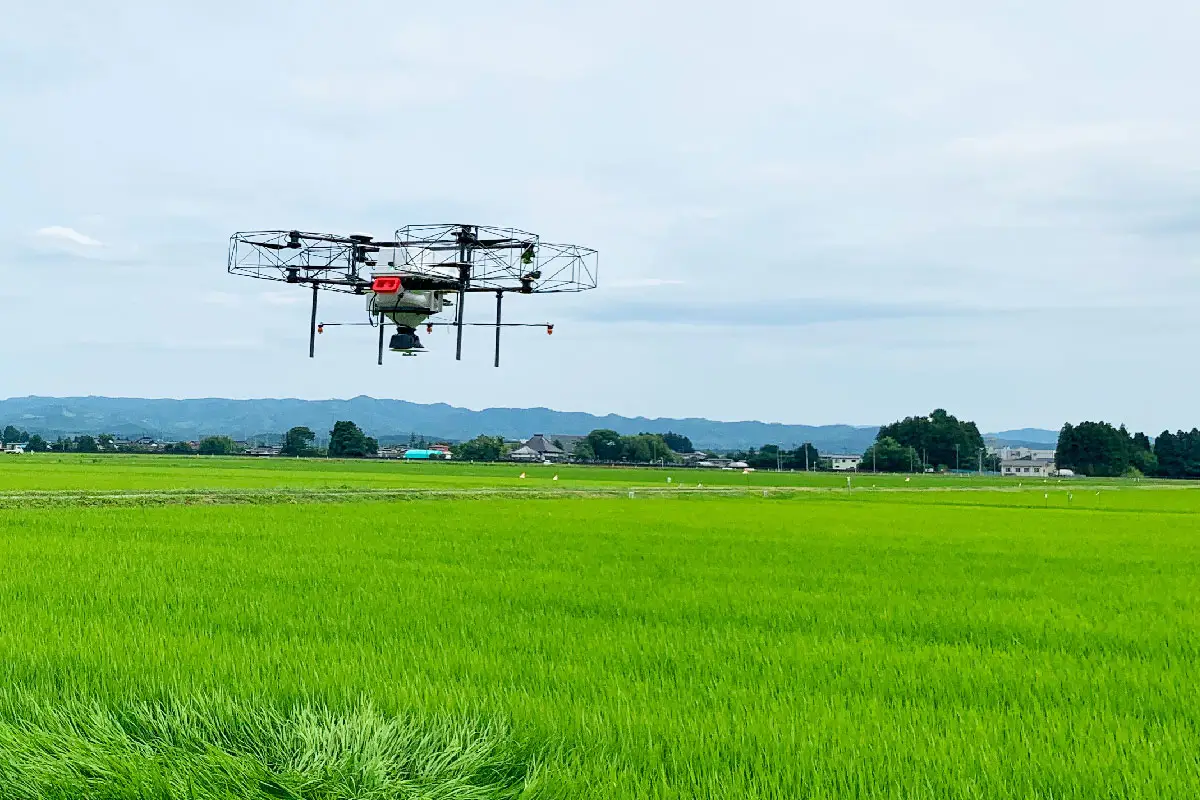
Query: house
point(565, 441)
point(541, 448)
point(1028, 467)
point(15, 448)
point(263, 450)
point(140, 443)
point(843, 463)
point(525, 453)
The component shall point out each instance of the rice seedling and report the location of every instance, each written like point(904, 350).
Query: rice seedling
point(926, 644)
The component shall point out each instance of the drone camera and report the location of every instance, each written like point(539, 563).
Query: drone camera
point(405, 341)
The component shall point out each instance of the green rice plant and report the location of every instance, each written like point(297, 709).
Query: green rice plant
point(222, 748)
point(863, 643)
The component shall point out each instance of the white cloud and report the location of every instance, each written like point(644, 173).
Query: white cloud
point(281, 298)
point(644, 283)
point(64, 234)
point(220, 299)
point(1058, 140)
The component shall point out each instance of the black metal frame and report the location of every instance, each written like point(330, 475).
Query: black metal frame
point(447, 257)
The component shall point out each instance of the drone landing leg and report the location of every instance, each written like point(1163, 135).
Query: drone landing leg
point(499, 298)
point(381, 340)
point(312, 325)
point(464, 274)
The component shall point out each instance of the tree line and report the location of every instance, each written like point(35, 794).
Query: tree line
point(346, 440)
point(938, 441)
point(1098, 449)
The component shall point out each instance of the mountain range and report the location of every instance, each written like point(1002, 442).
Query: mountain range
point(244, 419)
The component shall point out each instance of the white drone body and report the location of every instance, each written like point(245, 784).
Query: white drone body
point(406, 309)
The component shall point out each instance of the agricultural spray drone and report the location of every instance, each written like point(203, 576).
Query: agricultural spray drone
point(415, 277)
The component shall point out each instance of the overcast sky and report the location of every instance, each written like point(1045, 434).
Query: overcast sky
point(806, 213)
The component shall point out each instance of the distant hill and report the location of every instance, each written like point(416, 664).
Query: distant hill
point(242, 419)
point(1028, 435)
point(1033, 438)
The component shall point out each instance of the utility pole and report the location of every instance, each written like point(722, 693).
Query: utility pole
point(806, 458)
point(957, 466)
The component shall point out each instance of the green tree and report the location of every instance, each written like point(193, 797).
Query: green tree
point(37, 444)
point(1141, 455)
point(803, 457)
point(217, 446)
point(11, 435)
point(769, 456)
point(678, 442)
point(941, 438)
point(1097, 449)
point(481, 448)
point(1177, 455)
point(179, 449)
point(298, 442)
point(61, 445)
point(583, 451)
point(85, 444)
point(106, 441)
point(347, 440)
point(889, 455)
point(606, 444)
point(645, 448)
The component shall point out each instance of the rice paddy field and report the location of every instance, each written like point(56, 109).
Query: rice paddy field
point(232, 628)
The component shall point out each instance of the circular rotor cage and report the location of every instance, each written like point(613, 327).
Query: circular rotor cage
point(451, 257)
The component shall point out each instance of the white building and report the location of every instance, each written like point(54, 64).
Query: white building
point(843, 463)
point(1028, 467)
point(714, 462)
point(1007, 453)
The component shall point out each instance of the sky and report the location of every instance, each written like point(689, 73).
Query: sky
point(805, 212)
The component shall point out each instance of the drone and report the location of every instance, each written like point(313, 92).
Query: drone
point(421, 272)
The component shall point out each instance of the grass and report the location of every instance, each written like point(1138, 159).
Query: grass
point(874, 643)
